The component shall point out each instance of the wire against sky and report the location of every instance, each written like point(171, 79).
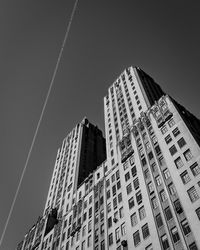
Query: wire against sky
point(40, 119)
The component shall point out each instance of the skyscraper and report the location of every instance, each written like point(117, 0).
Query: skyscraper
point(146, 194)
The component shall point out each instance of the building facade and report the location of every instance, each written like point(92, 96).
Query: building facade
point(145, 195)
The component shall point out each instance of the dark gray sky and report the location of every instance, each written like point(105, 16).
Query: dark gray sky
point(162, 37)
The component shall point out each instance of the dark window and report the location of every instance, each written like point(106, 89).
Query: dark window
point(172, 150)
point(109, 222)
point(139, 197)
point(134, 171)
point(168, 213)
point(181, 142)
point(175, 234)
point(185, 226)
point(150, 155)
point(176, 132)
point(136, 238)
point(131, 202)
point(168, 139)
point(159, 220)
point(145, 231)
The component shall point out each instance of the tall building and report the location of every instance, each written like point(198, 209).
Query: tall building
point(145, 195)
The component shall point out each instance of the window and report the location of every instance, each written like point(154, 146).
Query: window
point(146, 173)
point(163, 195)
point(198, 212)
point(193, 246)
point(118, 185)
point(110, 239)
point(117, 175)
point(102, 229)
point(178, 207)
point(195, 169)
point(168, 139)
point(129, 189)
point(176, 132)
point(171, 122)
point(83, 245)
point(158, 150)
point(117, 234)
point(168, 213)
point(114, 190)
point(158, 180)
point(131, 202)
point(164, 130)
point(127, 176)
point(134, 171)
point(188, 155)
point(119, 197)
point(192, 192)
point(159, 220)
point(113, 178)
point(136, 238)
point(165, 242)
point(150, 187)
point(142, 213)
point(90, 212)
point(150, 155)
point(145, 231)
point(175, 234)
point(136, 183)
point(149, 247)
point(185, 226)
point(84, 231)
point(172, 150)
point(154, 202)
point(109, 207)
point(108, 183)
point(121, 212)
point(166, 173)
point(123, 229)
point(172, 189)
point(181, 142)
point(139, 197)
point(125, 165)
point(109, 222)
point(185, 177)
point(103, 245)
point(134, 220)
point(144, 162)
point(115, 203)
point(108, 194)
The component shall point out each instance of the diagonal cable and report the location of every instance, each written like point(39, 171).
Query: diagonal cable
point(39, 121)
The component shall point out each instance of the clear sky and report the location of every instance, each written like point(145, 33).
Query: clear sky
point(161, 37)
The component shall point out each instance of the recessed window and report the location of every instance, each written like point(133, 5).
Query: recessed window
point(176, 132)
point(163, 195)
point(172, 150)
point(192, 192)
point(131, 202)
point(129, 189)
point(136, 183)
point(186, 227)
point(142, 213)
point(179, 163)
point(172, 189)
point(127, 176)
point(181, 142)
point(185, 177)
point(139, 197)
point(165, 243)
point(145, 231)
point(171, 122)
point(159, 220)
point(188, 155)
point(168, 213)
point(158, 180)
point(168, 139)
point(134, 220)
point(154, 202)
point(136, 238)
point(164, 129)
point(175, 234)
point(198, 212)
point(195, 169)
point(166, 173)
